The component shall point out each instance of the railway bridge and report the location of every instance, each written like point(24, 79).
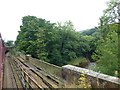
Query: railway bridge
point(22, 71)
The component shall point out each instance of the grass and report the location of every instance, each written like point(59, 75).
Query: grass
point(81, 61)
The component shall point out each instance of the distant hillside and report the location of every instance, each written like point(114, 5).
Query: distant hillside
point(91, 31)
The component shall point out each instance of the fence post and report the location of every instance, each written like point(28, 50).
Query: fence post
point(27, 58)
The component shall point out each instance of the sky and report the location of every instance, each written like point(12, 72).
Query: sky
point(84, 14)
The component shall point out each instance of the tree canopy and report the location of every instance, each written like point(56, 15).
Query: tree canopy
point(106, 52)
point(59, 43)
point(56, 43)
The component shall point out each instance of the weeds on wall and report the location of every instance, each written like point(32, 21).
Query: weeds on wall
point(83, 82)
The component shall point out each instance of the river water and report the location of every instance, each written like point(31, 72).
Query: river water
point(91, 65)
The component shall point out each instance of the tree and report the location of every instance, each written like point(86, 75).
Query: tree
point(30, 36)
point(63, 44)
point(9, 43)
point(87, 46)
point(107, 49)
point(89, 32)
point(56, 43)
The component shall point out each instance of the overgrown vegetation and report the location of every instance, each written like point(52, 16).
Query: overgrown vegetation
point(55, 43)
point(106, 53)
point(80, 62)
point(60, 44)
point(83, 81)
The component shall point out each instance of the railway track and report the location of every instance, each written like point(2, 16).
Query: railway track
point(27, 76)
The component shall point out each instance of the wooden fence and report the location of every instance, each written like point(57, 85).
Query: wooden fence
point(24, 75)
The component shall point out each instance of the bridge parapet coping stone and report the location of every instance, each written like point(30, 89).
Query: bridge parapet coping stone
point(69, 71)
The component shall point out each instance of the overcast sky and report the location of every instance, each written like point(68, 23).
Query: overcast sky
point(83, 13)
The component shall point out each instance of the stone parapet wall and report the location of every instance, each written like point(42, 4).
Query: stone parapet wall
point(71, 74)
point(97, 80)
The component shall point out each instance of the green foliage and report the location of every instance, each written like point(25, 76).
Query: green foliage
point(30, 38)
point(89, 31)
point(107, 48)
point(107, 53)
point(87, 46)
point(56, 43)
point(60, 44)
point(83, 82)
point(9, 43)
point(77, 61)
point(63, 45)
